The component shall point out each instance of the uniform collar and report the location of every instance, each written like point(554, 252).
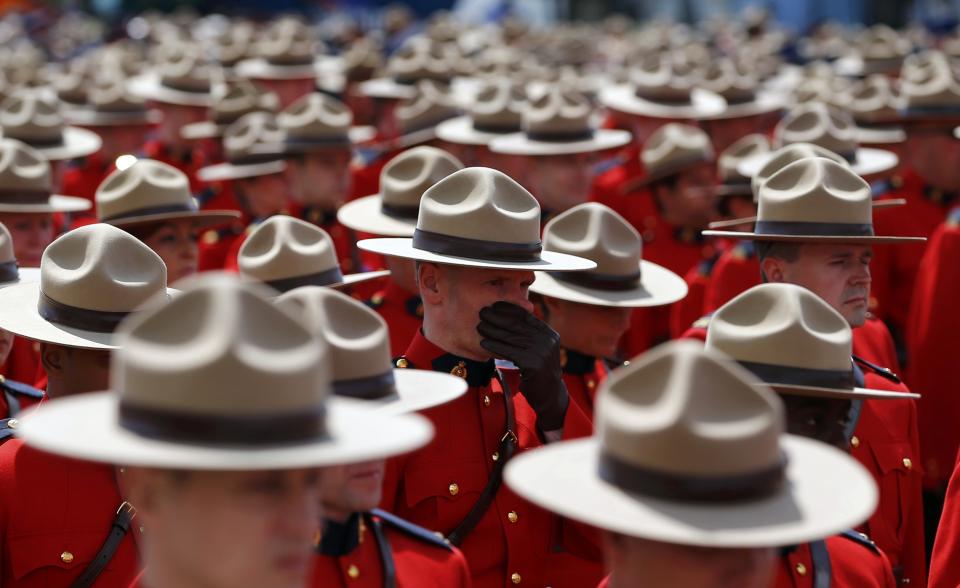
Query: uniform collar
point(422, 352)
point(576, 363)
point(317, 215)
point(339, 539)
point(938, 196)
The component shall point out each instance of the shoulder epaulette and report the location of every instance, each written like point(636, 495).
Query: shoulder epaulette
point(375, 301)
point(883, 372)
point(408, 528)
point(702, 322)
point(20, 388)
point(862, 539)
point(403, 363)
point(6, 431)
point(953, 219)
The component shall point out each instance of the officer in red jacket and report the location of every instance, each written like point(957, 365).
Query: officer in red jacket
point(591, 310)
point(674, 506)
point(829, 253)
point(361, 545)
point(474, 290)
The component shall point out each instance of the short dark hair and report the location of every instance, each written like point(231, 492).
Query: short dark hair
point(784, 250)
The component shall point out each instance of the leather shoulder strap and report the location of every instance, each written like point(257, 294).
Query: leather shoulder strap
point(118, 530)
point(410, 529)
point(822, 570)
point(883, 372)
point(14, 387)
point(861, 539)
point(386, 553)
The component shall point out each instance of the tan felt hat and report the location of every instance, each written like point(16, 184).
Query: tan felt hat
point(232, 99)
point(815, 200)
point(183, 77)
point(218, 378)
point(26, 182)
point(622, 278)
point(34, 117)
point(359, 343)
point(243, 143)
point(111, 104)
point(393, 211)
point(286, 50)
point(317, 122)
point(832, 129)
point(673, 148)
point(150, 191)
point(559, 123)
point(285, 253)
point(90, 279)
point(875, 108)
point(792, 340)
point(478, 217)
point(496, 110)
point(418, 59)
point(877, 50)
point(732, 182)
point(418, 116)
point(691, 450)
point(741, 90)
point(929, 89)
point(10, 271)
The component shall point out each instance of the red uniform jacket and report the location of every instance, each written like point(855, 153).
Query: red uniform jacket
point(23, 363)
point(216, 244)
point(81, 179)
point(945, 560)
point(737, 270)
point(437, 486)
point(14, 397)
point(351, 555)
point(686, 311)
point(583, 375)
point(403, 312)
point(55, 514)
point(932, 343)
point(855, 562)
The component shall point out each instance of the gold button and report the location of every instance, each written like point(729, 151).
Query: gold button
point(591, 384)
point(353, 572)
point(907, 463)
point(801, 569)
point(13, 423)
point(402, 363)
point(66, 557)
point(495, 456)
point(515, 578)
point(486, 400)
point(854, 441)
point(454, 489)
point(460, 370)
point(512, 516)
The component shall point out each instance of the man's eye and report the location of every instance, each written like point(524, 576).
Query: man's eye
point(496, 283)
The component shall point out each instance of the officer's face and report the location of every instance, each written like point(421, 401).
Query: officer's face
point(73, 370)
point(931, 152)
point(839, 274)
point(226, 529)
point(352, 488)
point(6, 344)
point(561, 182)
point(176, 244)
point(31, 233)
point(264, 195)
point(692, 202)
point(607, 326)
point(639, 562)
point(823, 419)
point(288, 91)
point(321, 178)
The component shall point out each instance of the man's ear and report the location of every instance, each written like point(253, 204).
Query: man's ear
point(51, 356)
point(429, 278)
point(773, 270)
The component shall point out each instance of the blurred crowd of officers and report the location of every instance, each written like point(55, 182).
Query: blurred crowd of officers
point(618, 304)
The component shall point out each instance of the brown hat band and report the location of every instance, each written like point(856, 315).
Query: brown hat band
point(598, 281)
point(798, 376)
point(802, 228)
point(568, 137)
point(495, 251)
point(493, 128)
point(9, 272)
point(219, 430)
point(150, 210)
point(324, 278)
point(401, 211)
point(372, 388)
point(8, 196)
point(99, 321)
point(687, 488)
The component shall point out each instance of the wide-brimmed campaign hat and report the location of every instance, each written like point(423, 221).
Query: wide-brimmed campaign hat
point(150, 191)
point(478, 217)
point(732, 182)
point(877, 50)
point(875, 109)
point(287, 50)
point(393, 211)
point(317, 122)
point(232, 99)
point(831, 129)
point(111, 104)
point(10, 271)
point(418, 59)
point(35, 118)
point(496, 110)
point(792, 340)
point(183, 77)
point(243, 144)
point(741, 90)
point(622, 277)
point(218, 378)
point(26, 182)
point(929, 90)
point(691, 450)
point(559, 123)
point(359, 343)
point(815, 200)
point(284, 253)
point(418, 115)
point(671, 149)
point(90, 278)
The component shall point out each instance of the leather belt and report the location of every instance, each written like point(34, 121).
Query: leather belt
point(118, 530)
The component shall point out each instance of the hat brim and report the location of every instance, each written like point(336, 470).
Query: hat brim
point(86, 427)
point(206, 129)
point(421, 389)
point(387, 89)
point(260, 69)
point(749, 220)
point(867, 162)
point(354, 136)
point(521, 144)
point(200, 218)
point(550, 261)
point(460, 131)
point(19, 315)
point(826, 491)
point(56, 203)
point(880, 135)
point(658, 286)
point(92, 118)
point(77, 142)
point(865, 240)
point(366, 215)
point(623, 98)
point(855, 393)
point(228, 171)
point(764, 103)
point(360, 277)
point(149, 87)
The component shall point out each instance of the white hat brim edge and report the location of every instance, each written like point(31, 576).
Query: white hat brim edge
point(219, 172)
point(868, 162)
point(852, 394)
point(77, 142)
point(826, 492)
point(659, 286)
point(148, 87)
point(403, 247)
point(56, 203)
point(622, 98)
point(460, 130)
point(366, 216)
point(86, 427)
point(422, 389)
point(520, 144)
